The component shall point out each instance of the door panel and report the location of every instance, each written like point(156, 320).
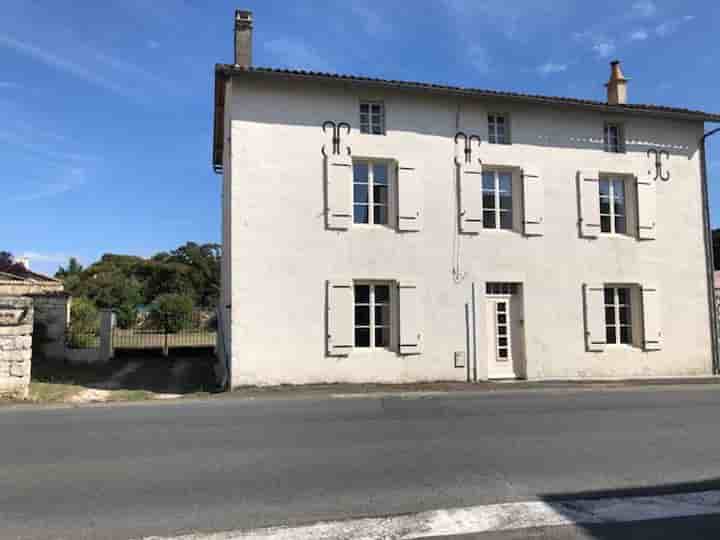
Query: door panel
point(500, 350)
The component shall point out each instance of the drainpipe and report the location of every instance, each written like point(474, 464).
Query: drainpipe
point(709, 262)
point(474, 334)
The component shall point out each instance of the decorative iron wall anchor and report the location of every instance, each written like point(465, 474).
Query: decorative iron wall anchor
point(468, 139)
point(658, 164)
point(336, 135)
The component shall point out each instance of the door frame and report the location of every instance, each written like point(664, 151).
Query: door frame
point(510, 370)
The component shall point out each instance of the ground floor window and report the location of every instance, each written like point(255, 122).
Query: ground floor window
point(618, 316)
point(372, 315)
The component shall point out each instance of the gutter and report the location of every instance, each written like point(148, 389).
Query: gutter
point(709, 258)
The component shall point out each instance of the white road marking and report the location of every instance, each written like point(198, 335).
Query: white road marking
point(488, 518)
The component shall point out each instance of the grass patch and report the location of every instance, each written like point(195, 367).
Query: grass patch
point(130, 395)
point(49, 392)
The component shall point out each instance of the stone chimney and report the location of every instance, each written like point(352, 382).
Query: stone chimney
point(243, 38)
point(617, 85)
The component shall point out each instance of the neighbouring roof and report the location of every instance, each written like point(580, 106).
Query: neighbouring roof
point(222, 71)
point(14, 273)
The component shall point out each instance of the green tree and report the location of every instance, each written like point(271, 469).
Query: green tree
point(70, 276)
point(73, 268)
point(6, 259)
point(172, 312)
point(84, 323)
point(199, 265)
point(124, 282)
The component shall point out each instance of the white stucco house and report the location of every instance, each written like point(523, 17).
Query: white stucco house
point(382, 230)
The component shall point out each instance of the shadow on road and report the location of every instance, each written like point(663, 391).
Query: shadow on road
point(642, 512)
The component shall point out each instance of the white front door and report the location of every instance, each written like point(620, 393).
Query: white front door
point(500, 350)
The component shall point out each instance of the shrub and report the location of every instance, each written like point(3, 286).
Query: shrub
point(84, 324)
point(172, 312)
point(126, 316)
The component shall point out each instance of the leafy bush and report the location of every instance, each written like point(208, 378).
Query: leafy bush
point(84, 324)
point(126, 316)
point(172, 312)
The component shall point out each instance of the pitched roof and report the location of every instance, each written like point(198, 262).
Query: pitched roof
point(224, 70)
point(17, 272)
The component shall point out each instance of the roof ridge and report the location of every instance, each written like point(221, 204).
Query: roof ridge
point(470, 91)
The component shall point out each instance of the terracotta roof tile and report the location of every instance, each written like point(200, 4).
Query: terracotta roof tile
point(635, 108)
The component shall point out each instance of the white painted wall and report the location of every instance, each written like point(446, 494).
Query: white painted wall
point(282, 254)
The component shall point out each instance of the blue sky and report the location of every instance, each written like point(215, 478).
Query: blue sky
point(106, 107)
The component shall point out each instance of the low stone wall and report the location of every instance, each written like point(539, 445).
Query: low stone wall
point(52, 315)
point(84, 356)
point(16, 329)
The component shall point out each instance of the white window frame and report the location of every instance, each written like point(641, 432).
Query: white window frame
point(372, 303)
point(615, 306)
point(371, 204)
point(500, 288)
point(493, 133)
point(497, 211)
point(614, 144)
point(612, 182)
point(368, 123)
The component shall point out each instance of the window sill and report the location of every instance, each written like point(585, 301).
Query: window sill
point(621, 347)
point(372, 352)
point(616, 235)
point(372, 227)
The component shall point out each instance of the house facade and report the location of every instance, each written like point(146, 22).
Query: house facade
point(388, 231)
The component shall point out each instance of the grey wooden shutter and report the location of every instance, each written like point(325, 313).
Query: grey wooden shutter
point(471, 205)
point(340, 300)
point(410, 198)
point(594, 317)
point(339, 184)
point(533, 202)
point(646, 205)
point(589, 187)
point(410, 312)
point(652, 328)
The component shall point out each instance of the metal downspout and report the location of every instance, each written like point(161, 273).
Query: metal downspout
point(709, 262)
point(474, 333)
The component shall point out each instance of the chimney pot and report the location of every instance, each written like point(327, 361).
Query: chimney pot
point(617, 85)
point(243, 37)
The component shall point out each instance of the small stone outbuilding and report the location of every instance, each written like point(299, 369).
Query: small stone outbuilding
point(33, 317)
point(16, 329)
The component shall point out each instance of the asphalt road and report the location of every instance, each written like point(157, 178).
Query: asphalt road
point(130, 471)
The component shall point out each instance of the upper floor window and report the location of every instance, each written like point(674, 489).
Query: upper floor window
point(612, 206)
point(618, 318)
point(371, 185)
point(497, 199)
point(372, 315)
point(372, 117)
point(498, 129)
point(614, 138)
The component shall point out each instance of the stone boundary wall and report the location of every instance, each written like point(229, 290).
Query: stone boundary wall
point(101, 354)
point(83, 356)
point(52, 315)
point(16, 330)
